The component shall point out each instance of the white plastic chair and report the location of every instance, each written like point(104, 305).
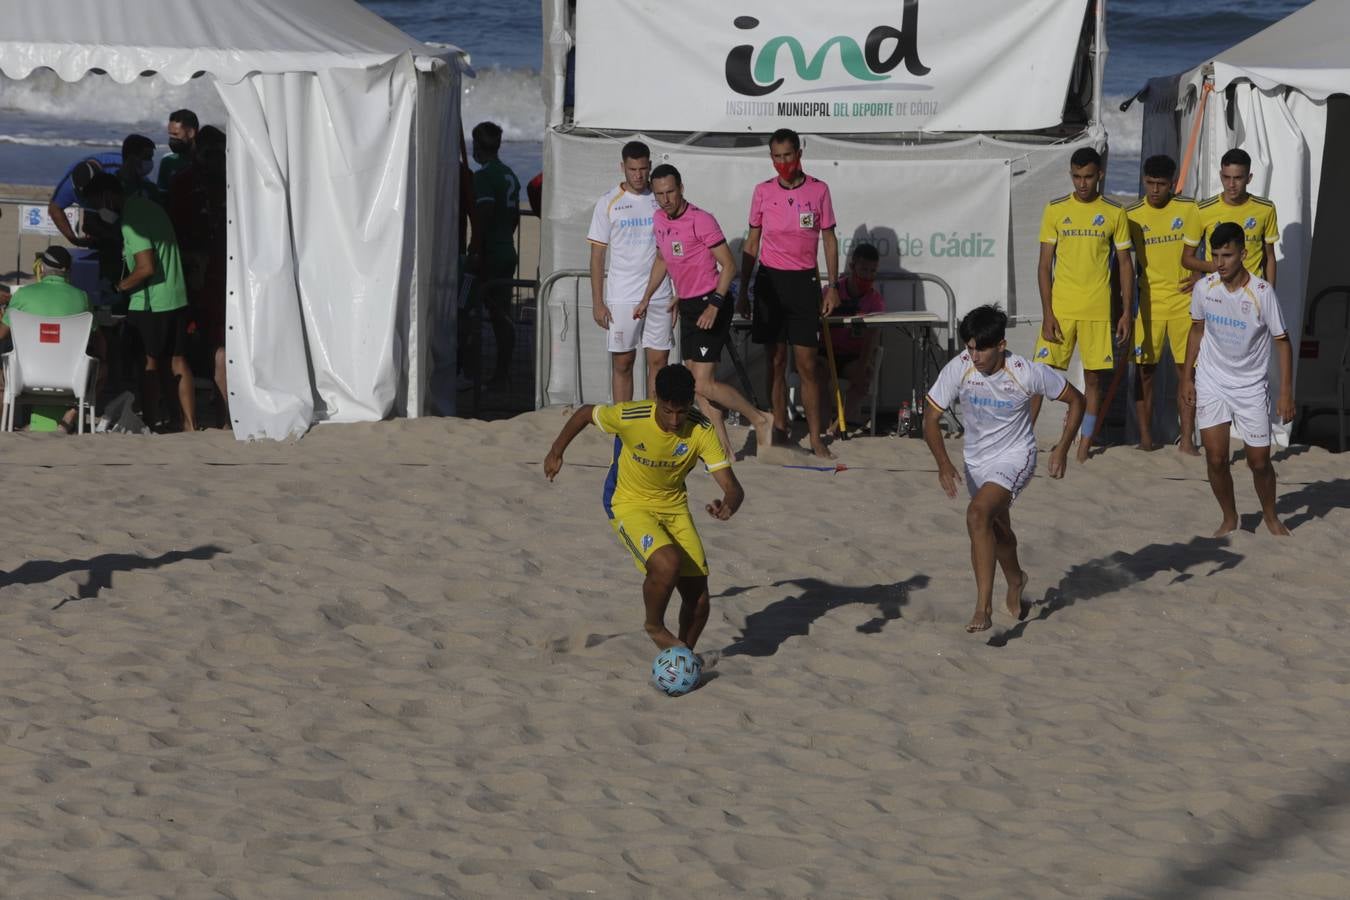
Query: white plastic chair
point(49, 365)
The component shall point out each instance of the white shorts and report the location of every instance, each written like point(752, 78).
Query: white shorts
point(1249, 413)
point(1011, 471)
point(655, 331)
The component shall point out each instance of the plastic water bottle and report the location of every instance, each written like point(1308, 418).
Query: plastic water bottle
point(902, 423)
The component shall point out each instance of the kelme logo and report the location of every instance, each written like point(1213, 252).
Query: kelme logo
point(753, 71)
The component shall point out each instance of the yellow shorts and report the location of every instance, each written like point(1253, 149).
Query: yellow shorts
point(1150, 335)
point(1095, 342)
point(644, 531)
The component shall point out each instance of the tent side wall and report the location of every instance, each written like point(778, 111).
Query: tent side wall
point(436, 193)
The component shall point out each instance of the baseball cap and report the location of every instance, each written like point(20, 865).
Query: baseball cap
point(55, 257)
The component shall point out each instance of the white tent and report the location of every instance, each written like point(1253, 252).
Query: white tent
point(341, 171)
point(1272, 95)
point(940, 130)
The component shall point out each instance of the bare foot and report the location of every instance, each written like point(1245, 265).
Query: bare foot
point(1188, 449)
point(981, 621)
point(1277, 527)
point(764, 430)
point(1084, 449)
point(1016, 607)
point(819, 449)
point(1228, 526)
point(1149, 446)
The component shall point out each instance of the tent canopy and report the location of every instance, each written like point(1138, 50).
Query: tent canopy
point(1305, 51)
point(180, 39)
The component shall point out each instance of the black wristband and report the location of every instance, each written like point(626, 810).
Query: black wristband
point(717, 300)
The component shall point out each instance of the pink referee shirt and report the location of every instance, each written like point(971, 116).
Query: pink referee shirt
point(686, 243)
point(791, 219)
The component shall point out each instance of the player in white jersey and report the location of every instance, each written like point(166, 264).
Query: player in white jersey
point(1235, 317)
point(995, 388)
point(622, 225)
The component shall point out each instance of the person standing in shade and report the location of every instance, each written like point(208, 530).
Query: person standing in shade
point(621, 228)
point(1255, 215)
point(1162, 228)
point(498, 192)
point(158, 306)
point(791, 215)
point(1235, 320)
point(182, 143)
point(1078, 233)
point(690, 247)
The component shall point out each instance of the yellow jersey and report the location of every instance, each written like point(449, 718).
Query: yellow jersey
point(1083, 235)
point(1256, 215)
point(1158, 236)
point(650, 465)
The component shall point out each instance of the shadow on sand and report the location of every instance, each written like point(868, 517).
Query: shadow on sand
point(1120, 570)
point(1315, 500)
point(100, 569)
point(766, 630)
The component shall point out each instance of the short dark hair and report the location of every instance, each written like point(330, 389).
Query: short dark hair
point(1237, 157)
point(985, 325)
point(786, 136)
point(137, 143)
point(487, 136)
point(865, 251)
point(1226, 233)
point(675, 384)
point(1085, 156)
point(103, 183)
point(666, 170)
point(185, 117)
point(1160, 166)
point(635, 150)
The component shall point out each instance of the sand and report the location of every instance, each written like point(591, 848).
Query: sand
point(393, 661)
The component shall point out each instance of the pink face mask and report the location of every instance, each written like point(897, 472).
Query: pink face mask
point(788, 170)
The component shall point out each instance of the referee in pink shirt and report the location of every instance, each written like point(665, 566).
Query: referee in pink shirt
point(790, 214)
point(690, 247)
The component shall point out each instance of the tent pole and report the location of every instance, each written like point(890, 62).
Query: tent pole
point(1196, 127)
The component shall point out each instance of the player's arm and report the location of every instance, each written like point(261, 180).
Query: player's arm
point(143, 271)
point(948, 477)
point(1186, 390)
point(749, 253)
point(1059, 457)
point(573, 427)
point(58, 217)
point(830, 241)
point(1126, 265)
point(727, 262)
point(1045, 280)
point(1189, 260)
point(1284, 352)
point(653, 282)
point(599, 310)
point(1268, 250)
point(733, 495)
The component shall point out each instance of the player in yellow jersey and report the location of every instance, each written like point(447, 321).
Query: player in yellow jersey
point(1255, 215)
point(1162, 226)
point(656, 444)
point(1078, 233)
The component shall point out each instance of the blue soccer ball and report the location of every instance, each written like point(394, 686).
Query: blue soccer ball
point(676, 670)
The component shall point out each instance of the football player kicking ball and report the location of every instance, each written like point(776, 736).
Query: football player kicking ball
point(995, 388)
point(1234, 319)
point(656, 444)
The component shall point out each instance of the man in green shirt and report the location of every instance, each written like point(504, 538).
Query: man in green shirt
point(493, 252)
point(182, 140)
point(50, 295)
point(157, 307)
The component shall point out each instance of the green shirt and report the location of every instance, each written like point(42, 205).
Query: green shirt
point(52, 296)
point(146, 226)
point(497, 185)
point(168, 167)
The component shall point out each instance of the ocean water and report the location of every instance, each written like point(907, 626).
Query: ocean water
point(46, 124)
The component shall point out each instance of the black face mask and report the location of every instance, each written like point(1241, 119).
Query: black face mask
point(179, 146)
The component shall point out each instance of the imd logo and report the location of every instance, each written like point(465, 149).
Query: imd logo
point(753, 71)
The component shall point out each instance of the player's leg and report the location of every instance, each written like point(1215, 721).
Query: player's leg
point(663, 568)
point(1056, 356)
point(656, 361)
point(1252, 424)
point(1005, 551)
point(621, 375)
point(1187, 413)
point(702, 351)
point(1143, 404)
point(767, 328)
point(808, 372)
point(658, 339)
point(989, 501)
point(1214, 439)
point(777, 385)
point(1094, 385)
point(694, 607)
point(1097, 349)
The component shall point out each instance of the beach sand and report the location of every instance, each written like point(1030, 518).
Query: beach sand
point(393, 661)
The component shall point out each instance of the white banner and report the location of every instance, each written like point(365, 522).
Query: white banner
point(861, 66)
point(949, 217)
point(36, 220)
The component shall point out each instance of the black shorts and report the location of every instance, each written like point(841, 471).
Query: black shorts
point(163, 334)
point(787, 307)
point(696, 344)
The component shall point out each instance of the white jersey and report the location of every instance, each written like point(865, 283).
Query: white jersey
point(996, 409)
point(622, 221)
point(1235, 350)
